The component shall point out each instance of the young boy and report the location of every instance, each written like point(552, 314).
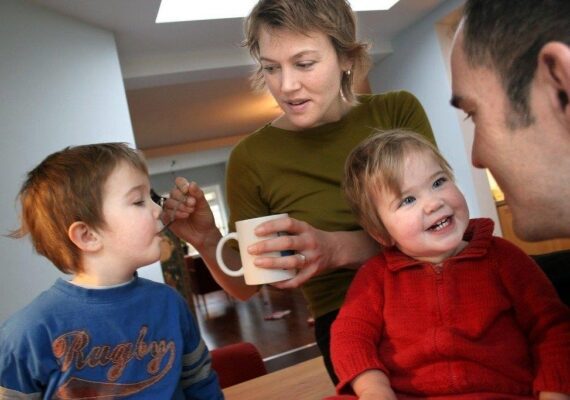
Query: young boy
point(106, 333)
point(446, 310)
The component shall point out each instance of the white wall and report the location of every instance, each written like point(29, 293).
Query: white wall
point(60, 85)
point(417, 65)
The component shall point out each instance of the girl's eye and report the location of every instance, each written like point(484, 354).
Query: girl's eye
point(439, 182)
point(407, 201)
point(139, 203)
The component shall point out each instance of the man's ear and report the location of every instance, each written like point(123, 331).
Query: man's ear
point(553, 69)
point(84, 237)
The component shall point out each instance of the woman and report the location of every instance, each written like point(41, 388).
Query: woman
point(308, 58)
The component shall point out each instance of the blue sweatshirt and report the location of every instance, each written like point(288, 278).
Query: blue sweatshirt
point(138, 341)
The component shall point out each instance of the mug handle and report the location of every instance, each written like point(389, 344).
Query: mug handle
point(220, 259)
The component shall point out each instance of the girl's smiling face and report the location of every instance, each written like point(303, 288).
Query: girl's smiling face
point(428, 220)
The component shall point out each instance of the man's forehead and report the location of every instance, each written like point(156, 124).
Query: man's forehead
point(471, 82)
point(458, 39)
point(459, 70)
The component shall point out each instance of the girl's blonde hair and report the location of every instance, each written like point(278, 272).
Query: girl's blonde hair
point(376, 165)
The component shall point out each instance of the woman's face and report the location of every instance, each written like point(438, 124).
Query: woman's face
point(303, 73)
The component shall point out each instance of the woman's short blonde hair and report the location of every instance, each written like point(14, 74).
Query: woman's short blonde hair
point(332, 17)
point(376, 165)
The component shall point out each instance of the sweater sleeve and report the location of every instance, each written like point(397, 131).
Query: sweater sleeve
point(542, 315)
point(26, 358)
point(357, 330)
point(17, 379)
point(243, 186)
point(198, 380)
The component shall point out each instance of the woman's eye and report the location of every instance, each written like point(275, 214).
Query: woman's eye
point(139, 203)
point(269, 68)
point(408, 200)
point(439, 182)
point(306, 65)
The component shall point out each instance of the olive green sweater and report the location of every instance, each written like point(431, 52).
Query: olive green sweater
point(276, 171)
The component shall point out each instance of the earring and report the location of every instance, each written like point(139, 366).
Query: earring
point(348, 72)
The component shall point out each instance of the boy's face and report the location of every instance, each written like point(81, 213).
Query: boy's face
point(131, 235)
point(428, 220)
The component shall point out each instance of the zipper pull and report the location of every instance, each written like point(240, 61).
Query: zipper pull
point(438, 268)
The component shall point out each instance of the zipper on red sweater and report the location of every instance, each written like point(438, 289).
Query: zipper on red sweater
point(438, 269)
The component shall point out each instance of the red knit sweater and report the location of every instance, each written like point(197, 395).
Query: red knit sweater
point(486, 322)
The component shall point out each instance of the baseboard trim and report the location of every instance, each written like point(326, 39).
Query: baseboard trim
point(291, 357)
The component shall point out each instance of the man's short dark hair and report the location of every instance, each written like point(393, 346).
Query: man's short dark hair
point(507, 35)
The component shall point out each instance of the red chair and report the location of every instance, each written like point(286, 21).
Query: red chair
point(236, 363)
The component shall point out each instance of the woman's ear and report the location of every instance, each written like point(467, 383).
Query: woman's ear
point(84, 237)
point(346, 63)
point(553, 73)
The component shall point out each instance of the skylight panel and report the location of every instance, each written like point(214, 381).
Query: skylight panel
point(188, 10)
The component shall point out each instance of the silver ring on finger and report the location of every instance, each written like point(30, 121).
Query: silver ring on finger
point(302, 257)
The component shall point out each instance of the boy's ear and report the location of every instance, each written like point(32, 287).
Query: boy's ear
point(554, 70)
point(84, 237)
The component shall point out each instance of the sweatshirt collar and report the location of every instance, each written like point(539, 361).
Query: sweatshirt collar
point(104, 295)
point(479, 234)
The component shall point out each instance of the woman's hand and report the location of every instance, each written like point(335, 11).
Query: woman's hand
point(316, 250)
point(189, 216)
point(193, 221)
point(312, 248)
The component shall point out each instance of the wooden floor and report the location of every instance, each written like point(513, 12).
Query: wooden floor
point(281, 342)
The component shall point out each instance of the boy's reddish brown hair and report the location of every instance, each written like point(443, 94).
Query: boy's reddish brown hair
point(67, 187)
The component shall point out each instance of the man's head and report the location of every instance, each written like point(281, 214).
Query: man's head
point(67, 187)
point(511, 75)
point(507, 37)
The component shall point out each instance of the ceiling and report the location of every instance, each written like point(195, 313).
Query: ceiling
point(187, 82)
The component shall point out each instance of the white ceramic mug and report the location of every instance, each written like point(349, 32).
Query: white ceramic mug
point(245, 237)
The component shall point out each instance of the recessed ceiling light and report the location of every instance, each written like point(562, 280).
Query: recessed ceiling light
point(185, 10)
